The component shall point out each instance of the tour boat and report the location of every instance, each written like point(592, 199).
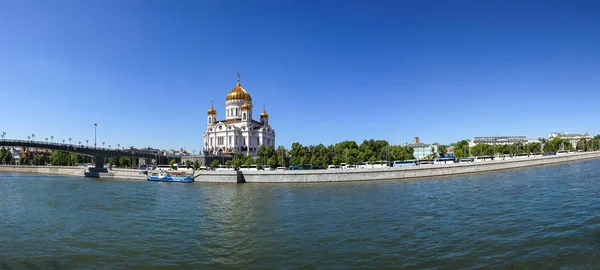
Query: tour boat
point(165, 177)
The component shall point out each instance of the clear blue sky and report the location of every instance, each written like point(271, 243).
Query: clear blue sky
point(328, 71)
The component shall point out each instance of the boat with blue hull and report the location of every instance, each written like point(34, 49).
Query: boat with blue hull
point(165, 177)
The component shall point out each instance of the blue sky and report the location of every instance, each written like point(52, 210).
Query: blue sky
point(327, 71)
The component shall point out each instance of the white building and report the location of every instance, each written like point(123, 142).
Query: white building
point(238, 133)
point(422, 150)
point(572, 138)
point(498, 140)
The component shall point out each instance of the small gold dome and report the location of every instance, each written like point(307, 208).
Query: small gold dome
point(247, 106)
point(264, 114)
point(212, 110)
point(238, 92)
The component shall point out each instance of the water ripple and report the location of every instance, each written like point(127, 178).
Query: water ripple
point(542, 217)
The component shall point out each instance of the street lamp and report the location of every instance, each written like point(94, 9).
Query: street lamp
point(63, 141)
point(29, 138)
point(52, 139)
point(33, 137)
point(46, 139)
point(69, 140)
point(95, 126)
point(79, 143)
point(118, 146)
point(3, 134)
point(86, 143)
point(109, 146)
point(102, 144)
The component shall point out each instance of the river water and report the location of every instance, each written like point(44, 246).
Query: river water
point(542, 217)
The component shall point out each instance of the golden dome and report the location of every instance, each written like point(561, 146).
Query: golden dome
point(238, 92)
point(247, 106)
point(212, 110)
point(264, 114)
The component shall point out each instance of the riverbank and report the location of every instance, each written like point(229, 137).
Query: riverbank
point(316, 176)
point(125, 174)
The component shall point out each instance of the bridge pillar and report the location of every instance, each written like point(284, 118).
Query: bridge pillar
point(99, 167)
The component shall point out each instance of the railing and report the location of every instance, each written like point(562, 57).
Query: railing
point(136, 151)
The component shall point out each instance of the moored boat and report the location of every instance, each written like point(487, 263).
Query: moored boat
point(165, 177)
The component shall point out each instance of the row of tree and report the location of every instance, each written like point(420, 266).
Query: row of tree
point(462, 149)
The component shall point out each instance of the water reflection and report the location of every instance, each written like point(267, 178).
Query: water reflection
point(542, 217)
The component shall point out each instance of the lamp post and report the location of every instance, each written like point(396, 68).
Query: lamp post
point(102, 144)
point(29, 138)
point(69, 140)
point(46, 139)
point(33, 137)
point(52, 139)
point(95, 127)
point(109, 146)
point(118, 145)
point(63, 141)
point(3, 134)
point(86, 143)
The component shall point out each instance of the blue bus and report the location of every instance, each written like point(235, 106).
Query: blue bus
point(405, 163)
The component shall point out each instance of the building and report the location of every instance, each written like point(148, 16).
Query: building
point(238, 132)
point(572, 138)
point(422, 150)
point(498, 140)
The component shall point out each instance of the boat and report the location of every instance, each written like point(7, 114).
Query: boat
point(166, 177)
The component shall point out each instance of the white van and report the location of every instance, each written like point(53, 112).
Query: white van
point(331, 167)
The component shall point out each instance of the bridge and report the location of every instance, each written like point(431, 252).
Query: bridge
point(98, 153)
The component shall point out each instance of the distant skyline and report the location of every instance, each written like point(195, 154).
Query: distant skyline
point(327, 71)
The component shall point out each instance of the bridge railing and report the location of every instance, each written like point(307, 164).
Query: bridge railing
point(80, 146)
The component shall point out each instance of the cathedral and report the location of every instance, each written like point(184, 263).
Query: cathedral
point(238, 133)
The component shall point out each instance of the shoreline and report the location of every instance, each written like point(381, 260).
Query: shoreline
point(322, 176)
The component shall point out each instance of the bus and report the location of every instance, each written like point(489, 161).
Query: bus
point(405, 163)
point(483, 158)
point(425, 162)
point(380, 164)
point(443, 161)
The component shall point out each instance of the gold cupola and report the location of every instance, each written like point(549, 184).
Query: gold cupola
point(264, 113)
point(247, 106)
point(212, 110)
point(238, 92)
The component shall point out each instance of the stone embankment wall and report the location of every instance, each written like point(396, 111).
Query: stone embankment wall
point(383, 173)
point(74, 171)
point(63, 170)
point(309, 176)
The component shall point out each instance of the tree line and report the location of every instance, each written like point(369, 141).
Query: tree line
point(462, 149)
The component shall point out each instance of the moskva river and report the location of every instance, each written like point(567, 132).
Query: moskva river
point(542, 217)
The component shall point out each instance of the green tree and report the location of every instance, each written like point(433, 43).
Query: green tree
point(441, 150)
point(215, 164)
point(534, 148)
point(172, 164)
point(273, 162)
point(248, 161)
point(229, 163)
point(188, 164)
point(3, 153)
point(372, 160)
point(461, 150)
point(196, 165)
point(23, 160)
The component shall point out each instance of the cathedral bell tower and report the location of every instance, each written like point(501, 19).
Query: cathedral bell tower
point(264, 116)
point(212, 115)
point(247, 112)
